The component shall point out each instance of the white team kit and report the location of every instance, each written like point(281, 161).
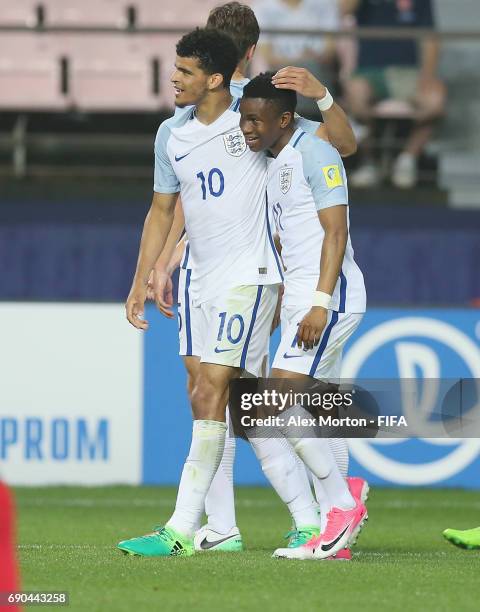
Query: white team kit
point(216, 332)
point(231, 290)
point(229, 283)
point(308, 176)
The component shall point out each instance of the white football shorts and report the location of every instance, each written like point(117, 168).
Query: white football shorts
point(324, 361)
point(232, 329)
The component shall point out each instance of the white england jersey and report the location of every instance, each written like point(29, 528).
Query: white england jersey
point(307, 176)
point(236, 89)
point(223, 189)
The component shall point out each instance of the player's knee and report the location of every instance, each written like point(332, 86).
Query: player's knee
point(205, 399)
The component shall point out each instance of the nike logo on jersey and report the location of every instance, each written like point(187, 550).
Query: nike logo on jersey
point(217, 350)
point(285, 356)
point(206, 545)
point(180, 157)
point(327, 547)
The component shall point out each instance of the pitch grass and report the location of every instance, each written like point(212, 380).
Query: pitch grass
point(67, 538)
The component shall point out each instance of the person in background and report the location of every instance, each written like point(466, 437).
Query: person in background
point(404, 69)
point(315, 53)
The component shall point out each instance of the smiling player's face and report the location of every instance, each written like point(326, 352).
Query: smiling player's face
point(260, 122)
point(189, 81)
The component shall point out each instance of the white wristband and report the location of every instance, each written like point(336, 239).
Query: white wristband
point(326, 102)
point(320, 298)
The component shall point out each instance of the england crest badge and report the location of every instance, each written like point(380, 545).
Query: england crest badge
point(235, 143)
point(285, 176)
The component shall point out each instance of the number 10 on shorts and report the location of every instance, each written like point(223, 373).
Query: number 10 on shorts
point(235, 327)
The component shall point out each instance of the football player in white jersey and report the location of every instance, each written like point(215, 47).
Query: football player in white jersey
point(202, 155)
point(221, 532)
point(324, 297)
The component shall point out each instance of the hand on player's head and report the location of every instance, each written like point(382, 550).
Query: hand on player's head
point(300, 80)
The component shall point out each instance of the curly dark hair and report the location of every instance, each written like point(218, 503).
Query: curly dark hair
point(238, 21)
point(216, 52)
point(262, 87)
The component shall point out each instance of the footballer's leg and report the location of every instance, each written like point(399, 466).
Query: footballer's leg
point(241, 337)
point(287, 475)
point(221, 531)
point(237, 323)
point(347, 513)
point(317, 456)
point(209, 400)
point(192, 364)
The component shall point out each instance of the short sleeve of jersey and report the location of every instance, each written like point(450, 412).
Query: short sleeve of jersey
point(323, 170)
point(165, 180)
point(307, 126)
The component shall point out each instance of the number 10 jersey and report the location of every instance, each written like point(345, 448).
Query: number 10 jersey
point(223, 188)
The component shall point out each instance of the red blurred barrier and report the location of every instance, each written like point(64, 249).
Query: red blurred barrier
point(8, 565)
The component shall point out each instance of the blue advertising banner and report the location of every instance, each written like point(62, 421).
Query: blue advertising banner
point(416, 344)
point(390, 343)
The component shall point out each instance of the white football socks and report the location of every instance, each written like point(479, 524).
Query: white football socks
point(206, 450)
point(339, 448)
point(220, 500)
point(317, 456)
point(288, 477)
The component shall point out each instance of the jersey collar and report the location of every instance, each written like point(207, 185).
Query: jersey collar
point(298, 134)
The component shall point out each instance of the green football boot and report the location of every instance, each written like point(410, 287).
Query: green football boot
point(301, 535)
point(470, 538)
point(162, 542)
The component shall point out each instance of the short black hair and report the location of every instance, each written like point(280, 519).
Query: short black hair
point(262, 87)
point(238, 21)
point(216, 52)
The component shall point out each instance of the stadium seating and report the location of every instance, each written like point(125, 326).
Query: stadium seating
point(22, 13)
point(91, 13)
point(111, 73)
point(86, 71)
point(161, 47)
point(153, 14)
point(30, 73)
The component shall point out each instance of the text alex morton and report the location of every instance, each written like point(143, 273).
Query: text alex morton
point(322, 421)
point(326, 401)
